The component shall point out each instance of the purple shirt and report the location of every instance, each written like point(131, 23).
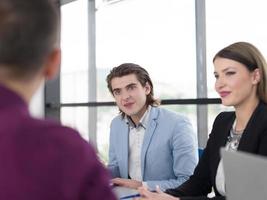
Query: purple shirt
point(42, 160)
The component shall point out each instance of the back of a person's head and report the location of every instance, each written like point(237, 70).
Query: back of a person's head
point(29, 30)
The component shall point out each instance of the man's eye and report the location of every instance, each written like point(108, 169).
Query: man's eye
point(116, 92)
point(131, 87)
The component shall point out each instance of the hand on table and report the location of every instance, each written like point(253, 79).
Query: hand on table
point(158, 195)
point(126, 183)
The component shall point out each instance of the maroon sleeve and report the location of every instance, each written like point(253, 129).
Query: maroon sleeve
point(96, 185)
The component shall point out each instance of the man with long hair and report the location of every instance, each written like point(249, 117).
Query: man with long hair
point(149, 145)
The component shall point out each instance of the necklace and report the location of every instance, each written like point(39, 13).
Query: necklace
point(234, 138)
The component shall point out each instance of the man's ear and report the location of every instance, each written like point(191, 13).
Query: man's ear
point(52, 65)
point(147, 88)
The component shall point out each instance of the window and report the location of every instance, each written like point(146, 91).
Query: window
point(228, 22)
point(159, 36)
point(74, 66)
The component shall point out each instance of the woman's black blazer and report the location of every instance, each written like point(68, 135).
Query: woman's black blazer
point(253, 140)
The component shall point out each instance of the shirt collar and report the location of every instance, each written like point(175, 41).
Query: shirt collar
point(142, 122)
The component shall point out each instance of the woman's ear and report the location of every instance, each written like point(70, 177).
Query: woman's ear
point(52, 65)
point(256, 76)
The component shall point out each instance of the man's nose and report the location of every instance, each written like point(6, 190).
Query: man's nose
point(125, 95)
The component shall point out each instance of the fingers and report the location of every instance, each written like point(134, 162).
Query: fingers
point(113, 180)
point(142, 189)
point(117, 182)
point(145, 193)
point(138, 198)
point(158, 190)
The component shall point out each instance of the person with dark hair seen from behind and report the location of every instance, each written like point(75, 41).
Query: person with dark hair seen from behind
point(149, 145)
point(40, 159)
point(240, 72)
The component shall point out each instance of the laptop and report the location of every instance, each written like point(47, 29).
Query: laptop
point(245, 175)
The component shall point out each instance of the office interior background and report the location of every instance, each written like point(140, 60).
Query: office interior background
point(175, 40)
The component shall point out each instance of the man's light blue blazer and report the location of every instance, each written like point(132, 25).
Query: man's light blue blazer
point(169, 151)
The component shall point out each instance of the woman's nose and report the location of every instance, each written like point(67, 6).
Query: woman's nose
point(219, 83)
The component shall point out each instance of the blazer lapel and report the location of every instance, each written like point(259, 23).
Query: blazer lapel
point(225, 135)
point(152, 124)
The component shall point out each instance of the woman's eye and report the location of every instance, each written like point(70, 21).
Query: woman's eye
point(230, 73)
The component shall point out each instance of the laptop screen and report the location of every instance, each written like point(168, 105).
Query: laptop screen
point(245, 175)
